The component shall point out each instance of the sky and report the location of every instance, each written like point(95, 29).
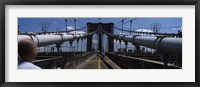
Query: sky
point(34, 24)
point(54, 24)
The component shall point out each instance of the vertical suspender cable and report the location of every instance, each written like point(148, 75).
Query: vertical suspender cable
point(75, 26)
point(130, 27)
point(122, 26)
point(66, 24)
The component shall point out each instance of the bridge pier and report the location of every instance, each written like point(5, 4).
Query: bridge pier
point(70, 42)
point(165, 57)
point(108, 27)
point(58, 47)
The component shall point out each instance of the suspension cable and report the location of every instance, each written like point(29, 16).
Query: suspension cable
point(145, 32)
point(126, 22)
point(120, 21)
point(61, 31)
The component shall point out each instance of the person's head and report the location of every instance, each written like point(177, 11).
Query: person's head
point(27, 50)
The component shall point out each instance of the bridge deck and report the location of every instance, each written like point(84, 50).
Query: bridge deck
point(94, 62)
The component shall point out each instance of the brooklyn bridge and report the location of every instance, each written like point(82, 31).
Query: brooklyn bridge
point(165, 49)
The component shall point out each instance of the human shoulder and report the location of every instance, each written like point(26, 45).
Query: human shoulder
point(27, 65)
